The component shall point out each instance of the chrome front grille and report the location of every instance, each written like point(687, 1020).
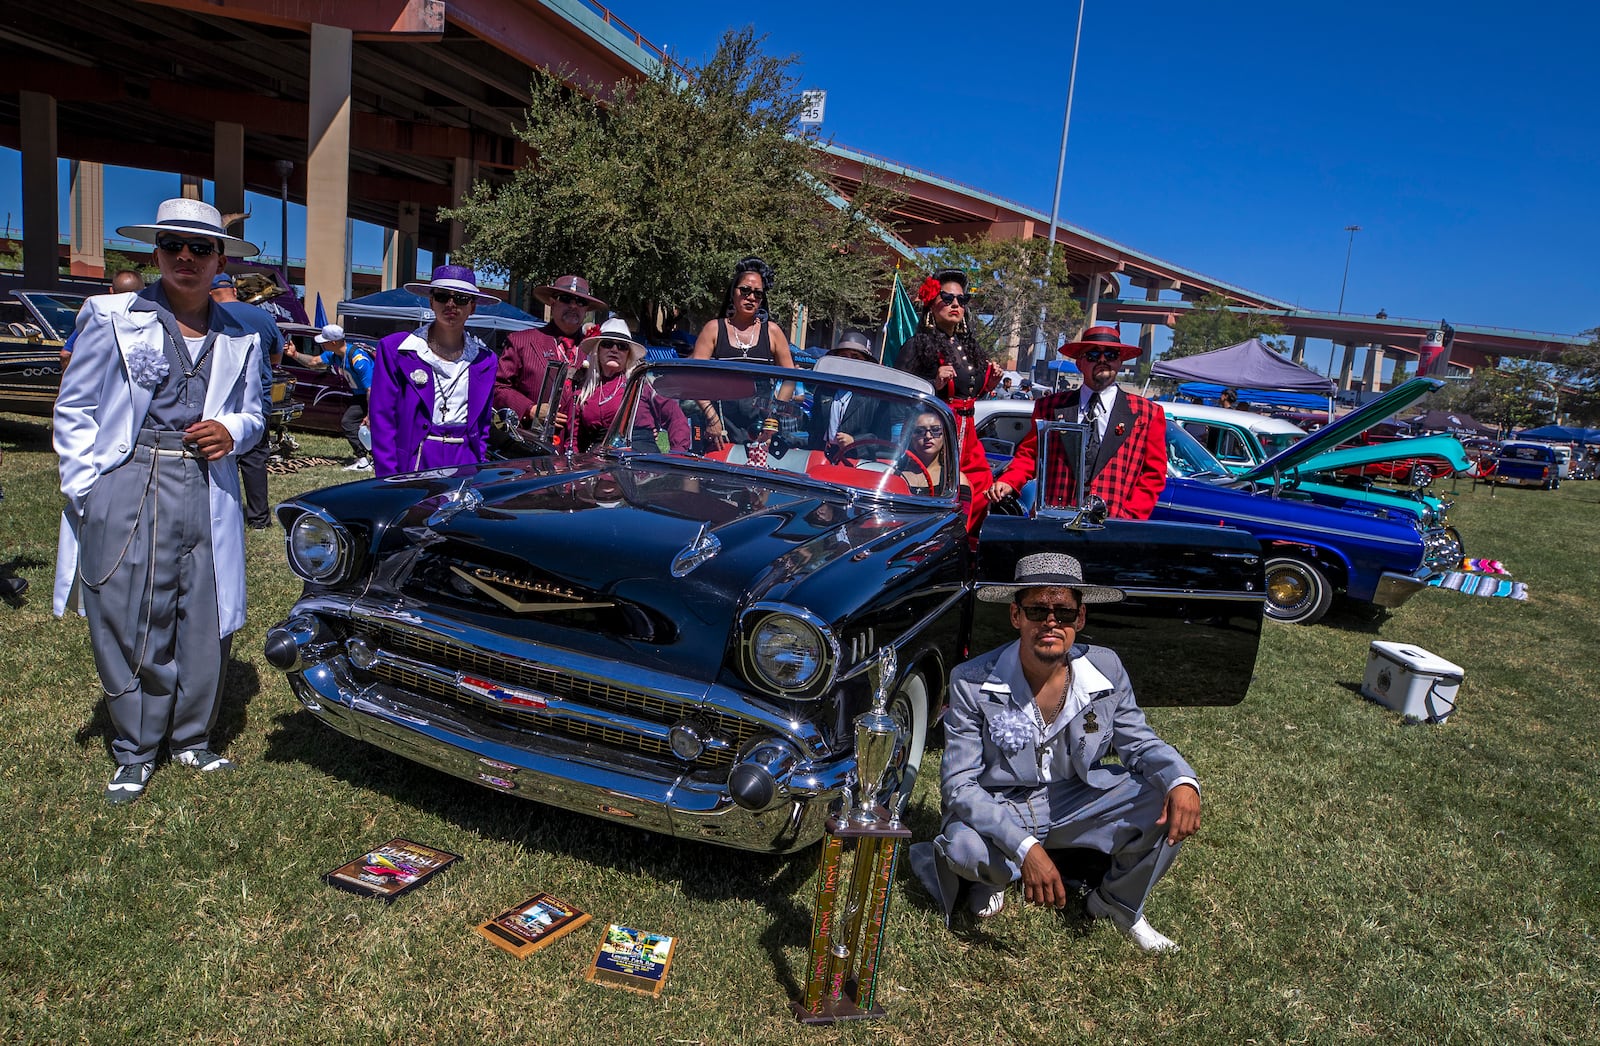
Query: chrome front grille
point(638, 704)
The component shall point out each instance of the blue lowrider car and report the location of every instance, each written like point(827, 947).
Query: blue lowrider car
point(679, 637)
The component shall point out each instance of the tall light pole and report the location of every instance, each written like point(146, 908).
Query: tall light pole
point(284, 167)
point(1352, 230)
point(1061, 170)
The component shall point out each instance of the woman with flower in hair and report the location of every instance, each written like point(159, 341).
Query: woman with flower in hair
point(744, 331)
point(944, 352)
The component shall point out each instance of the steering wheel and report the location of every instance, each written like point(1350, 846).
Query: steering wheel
point(897, 453)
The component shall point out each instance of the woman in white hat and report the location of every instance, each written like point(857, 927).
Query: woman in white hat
point(429, 406)
point(612, 355)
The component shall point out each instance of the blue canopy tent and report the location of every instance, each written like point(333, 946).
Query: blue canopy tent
point(1561, 434)
point(1210, 392)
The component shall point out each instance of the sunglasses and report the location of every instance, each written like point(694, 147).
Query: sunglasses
point(954, 299)
point(567, 299)
point(621, 346)
point(927, 430)
point(1109, 355)
point(462, 300)
point(1041, 612)
point(198, 248)
point(752, 292)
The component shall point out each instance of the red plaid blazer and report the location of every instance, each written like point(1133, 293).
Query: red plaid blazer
point(1130, 470)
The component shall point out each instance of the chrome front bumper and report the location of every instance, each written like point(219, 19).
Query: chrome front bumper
point(568, 774)
point(1394, 589)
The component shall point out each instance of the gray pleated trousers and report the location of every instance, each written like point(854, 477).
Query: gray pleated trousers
point(149, 591)
point(1119, 821)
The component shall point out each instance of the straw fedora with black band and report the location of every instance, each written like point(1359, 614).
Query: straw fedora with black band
point(1049, 570)
point(1102, 337)
point(189, 219)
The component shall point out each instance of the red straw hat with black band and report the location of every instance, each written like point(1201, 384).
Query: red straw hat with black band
point(1099, 338)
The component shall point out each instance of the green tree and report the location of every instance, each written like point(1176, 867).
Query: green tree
point(653, 189)
point(1211, 325)
point(1579, 378)
point(1009, 288)
point(1511, 395)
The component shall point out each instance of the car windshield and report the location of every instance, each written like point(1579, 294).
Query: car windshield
point(1187, 458)
point(58, 310)
point(837, 430)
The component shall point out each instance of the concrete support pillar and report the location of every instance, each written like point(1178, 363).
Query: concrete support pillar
point(1299, 353)
point(1345, 365)
point(86, 210)
point(460, 183)
point(1091, 301)
point(1147, 333)
point(1372, 377)
point(191, 187)
point(227, 157)
point(400, 248)
point(40, 198)
point(328, 164)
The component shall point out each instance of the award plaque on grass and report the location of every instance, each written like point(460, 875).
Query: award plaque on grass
point(532, 924)
point(396, 867)
point(632, 959)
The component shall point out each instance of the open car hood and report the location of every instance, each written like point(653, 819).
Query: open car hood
point(1344, 429)
point(1445, 448)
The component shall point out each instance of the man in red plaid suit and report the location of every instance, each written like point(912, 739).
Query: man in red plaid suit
point(1126, 436)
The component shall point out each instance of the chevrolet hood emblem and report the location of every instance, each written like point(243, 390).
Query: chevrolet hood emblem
point(493, 584)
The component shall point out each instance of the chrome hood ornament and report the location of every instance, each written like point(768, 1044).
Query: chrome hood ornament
point(462, 499)
point(705, 546)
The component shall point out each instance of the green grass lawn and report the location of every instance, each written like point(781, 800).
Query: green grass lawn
point(1355, 879)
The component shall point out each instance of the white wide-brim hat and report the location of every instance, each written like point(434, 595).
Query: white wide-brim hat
point(1049, 570)
point(614, 329)
point(457, 278)
point(184, 217)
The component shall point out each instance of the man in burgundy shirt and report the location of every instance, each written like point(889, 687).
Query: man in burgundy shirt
point(1126, 439)
point(527, 355)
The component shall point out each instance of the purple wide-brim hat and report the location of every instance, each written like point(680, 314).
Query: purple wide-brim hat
point(456, 278)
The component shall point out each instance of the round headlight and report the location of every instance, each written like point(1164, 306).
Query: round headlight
point(314, 547)
point(787, 652)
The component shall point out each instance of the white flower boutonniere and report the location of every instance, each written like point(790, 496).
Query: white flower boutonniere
point(419, 377)
point(147, 366)
point(1010, 730)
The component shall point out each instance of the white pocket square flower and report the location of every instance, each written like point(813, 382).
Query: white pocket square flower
point(419, 377)
point(1010, 730)
point(147, 366)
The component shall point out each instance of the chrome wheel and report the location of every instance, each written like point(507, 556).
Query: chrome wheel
point(1297, 592)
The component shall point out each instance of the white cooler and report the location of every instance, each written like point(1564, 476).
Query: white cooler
point(1413, 682)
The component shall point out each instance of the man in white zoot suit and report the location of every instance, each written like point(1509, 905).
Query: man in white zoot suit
point(163, 392)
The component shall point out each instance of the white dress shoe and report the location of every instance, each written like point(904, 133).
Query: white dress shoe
point(985, 901)
point(1140, 932)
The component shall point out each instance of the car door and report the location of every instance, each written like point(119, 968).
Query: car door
point(1188, 627)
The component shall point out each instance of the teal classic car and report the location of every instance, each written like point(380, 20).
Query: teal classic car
point(1246, 442)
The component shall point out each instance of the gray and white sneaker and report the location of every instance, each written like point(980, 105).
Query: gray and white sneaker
point(128, 783)
point(361, 464)
point(205, 760)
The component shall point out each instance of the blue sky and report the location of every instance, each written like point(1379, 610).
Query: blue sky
point(1235, 139)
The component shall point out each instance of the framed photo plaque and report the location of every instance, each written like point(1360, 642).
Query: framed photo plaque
point(397, 867)
point(536, 922)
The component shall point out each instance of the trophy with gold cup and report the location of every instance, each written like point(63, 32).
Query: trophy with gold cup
point(854, 887)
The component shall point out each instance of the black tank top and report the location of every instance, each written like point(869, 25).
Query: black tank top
point(761, 351)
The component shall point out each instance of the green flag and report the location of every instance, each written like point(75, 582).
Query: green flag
point(902, 321)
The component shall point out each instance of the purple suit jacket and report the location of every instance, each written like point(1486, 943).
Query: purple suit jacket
point(400, 409)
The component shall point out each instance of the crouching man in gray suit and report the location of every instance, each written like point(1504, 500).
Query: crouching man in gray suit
point(1026, 733)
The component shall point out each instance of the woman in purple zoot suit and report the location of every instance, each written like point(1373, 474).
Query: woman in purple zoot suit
point(431, 388)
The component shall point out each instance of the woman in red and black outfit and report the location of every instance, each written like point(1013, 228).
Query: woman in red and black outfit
point(945, 353)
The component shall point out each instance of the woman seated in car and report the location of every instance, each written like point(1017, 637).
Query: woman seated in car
point(926, 457)
point(613, 353)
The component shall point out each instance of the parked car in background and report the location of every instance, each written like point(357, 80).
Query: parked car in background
point(1311, 551)
point(679, 638)
point(1524, 463)
point(1239, 439)
point(33, 327)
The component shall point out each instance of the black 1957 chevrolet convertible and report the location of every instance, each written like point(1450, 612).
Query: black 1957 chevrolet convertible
point(679, 638)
